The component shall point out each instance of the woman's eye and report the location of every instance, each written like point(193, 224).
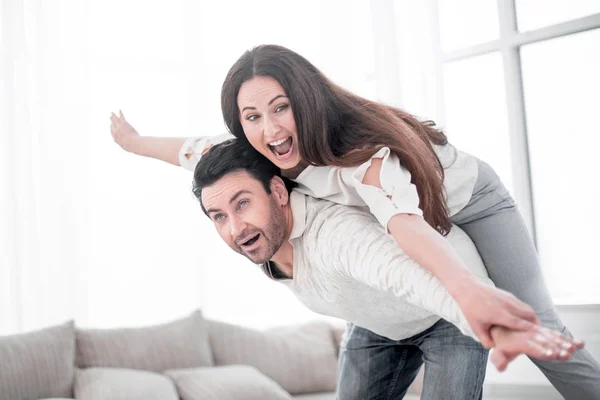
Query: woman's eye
point(281, 107)
point(244, 203)
point(252, 117)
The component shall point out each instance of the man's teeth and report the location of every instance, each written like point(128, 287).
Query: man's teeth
point(278, 142)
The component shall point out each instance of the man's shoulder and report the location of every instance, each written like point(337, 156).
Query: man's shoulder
point(316, 206)
point(324, 216)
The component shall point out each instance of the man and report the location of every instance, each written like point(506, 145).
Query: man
point(338, 261)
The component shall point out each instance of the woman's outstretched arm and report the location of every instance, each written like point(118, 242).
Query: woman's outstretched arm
point(483, 306)
point(161, 148)
point(184, 152)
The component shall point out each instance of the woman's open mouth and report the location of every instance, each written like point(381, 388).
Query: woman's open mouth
point(282, 149)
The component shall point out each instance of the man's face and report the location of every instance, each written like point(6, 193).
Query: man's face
point(251, 221)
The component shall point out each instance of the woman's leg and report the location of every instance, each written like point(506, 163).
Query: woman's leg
point(494, 224)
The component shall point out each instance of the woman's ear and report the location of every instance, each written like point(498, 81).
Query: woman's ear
point(278, 188)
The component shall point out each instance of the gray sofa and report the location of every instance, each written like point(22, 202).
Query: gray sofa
point(189, 359)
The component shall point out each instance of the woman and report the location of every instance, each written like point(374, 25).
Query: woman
point(353, 151)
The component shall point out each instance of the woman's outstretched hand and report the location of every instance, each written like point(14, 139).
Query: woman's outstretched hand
point(162, 148)
point(537, 342)
point(122, 131)
point(485, 306)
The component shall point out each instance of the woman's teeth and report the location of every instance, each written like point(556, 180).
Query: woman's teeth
point(281, 147)
point(277, 142)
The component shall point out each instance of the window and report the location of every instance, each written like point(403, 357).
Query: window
point(561, 85)
point(531, 14)
point(475, 83)
point(520, 86)
point(464, 23)
point(517, 85)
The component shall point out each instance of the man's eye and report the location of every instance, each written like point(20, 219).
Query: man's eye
point(218, 217)
point(244, 203)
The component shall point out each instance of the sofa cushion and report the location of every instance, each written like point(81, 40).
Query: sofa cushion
point(122, 384)
point(232, 382)
point(316, 396)
point(178, 344)
point(38, 364)
point(300, 358)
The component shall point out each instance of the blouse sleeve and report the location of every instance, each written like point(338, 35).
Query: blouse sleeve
point(192, 149)
point(397, 196)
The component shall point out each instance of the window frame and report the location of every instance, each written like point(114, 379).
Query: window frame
point(509, 45)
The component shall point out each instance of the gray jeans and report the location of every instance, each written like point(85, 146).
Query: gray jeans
point(494, 224)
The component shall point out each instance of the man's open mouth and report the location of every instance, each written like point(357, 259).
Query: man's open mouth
point(251, 241)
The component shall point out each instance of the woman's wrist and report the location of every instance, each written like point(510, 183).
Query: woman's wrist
point(134, 144)
point(460, 283)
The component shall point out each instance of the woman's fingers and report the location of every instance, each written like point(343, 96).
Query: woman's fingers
point(557, 345)
point(543, 351)
point(566, 345)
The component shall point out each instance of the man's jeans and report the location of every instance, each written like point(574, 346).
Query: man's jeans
point(373, 367)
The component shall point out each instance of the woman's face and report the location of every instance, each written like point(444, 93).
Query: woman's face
point(268, 121)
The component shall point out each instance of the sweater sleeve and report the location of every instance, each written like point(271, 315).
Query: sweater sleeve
point(357, 247)
point(192, 149)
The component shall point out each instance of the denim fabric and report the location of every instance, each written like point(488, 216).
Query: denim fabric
point(373, 367)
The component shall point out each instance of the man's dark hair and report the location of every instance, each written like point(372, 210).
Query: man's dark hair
point(230, 156)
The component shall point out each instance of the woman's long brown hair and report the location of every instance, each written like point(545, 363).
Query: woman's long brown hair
point(338, 128)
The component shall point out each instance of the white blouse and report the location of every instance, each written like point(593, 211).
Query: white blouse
point(344, 185)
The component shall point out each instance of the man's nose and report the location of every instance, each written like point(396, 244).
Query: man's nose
point(237, 226)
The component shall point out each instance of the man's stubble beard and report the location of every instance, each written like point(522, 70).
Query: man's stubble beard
point(274, 236)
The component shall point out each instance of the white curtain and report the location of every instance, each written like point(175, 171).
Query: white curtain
point(91, 233)
point(43, 114)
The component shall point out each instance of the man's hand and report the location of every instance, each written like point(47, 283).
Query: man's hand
point(485, 306)
point(122, 131)
point(537, 342)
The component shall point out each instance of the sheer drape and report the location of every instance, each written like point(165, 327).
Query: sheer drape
point(93, 233)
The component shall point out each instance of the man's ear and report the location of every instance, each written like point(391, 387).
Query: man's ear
point(279, 190)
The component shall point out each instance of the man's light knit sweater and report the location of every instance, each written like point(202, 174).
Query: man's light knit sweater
point(346, 266)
